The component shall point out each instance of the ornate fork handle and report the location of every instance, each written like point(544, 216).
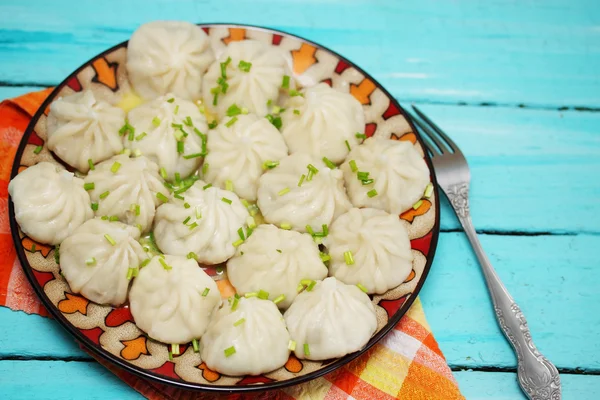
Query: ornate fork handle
point(538, 377)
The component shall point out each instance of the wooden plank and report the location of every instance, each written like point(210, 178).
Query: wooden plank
point(542, 53)
point(553, 277)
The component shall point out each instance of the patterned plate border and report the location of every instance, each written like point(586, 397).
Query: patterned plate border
point(98, 350)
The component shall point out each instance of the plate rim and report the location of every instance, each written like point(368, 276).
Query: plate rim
point(140, 372)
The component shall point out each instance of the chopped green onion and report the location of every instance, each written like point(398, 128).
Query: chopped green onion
point(309, 229)
point(162, 197)
point(251, 294)
point(286, 82)
point(360, 135)
point(417, 205)
point(194, 155)
point(348, 145)
point(195, 345)
point(224, 67)
point(180, 147)
point(361, 287)
point(89, 186)
point(353, 166)
point(193, 226)
point(362, 175)
point(306, 349)
point(367, 181)
point(328, 162)
point(276, 110)
point(140, 136)
point(176, 111)
point(236, 300)
point(131, 136)
point(171, 100)
point(104, 195)
point(139, 227)
point(428, 190)
point(237, 242)
point(213, 124)
point(297, 112)
point(311, 286)
point(233, 110)
point(188, 121)
point(178, 135)
point(276, 121)
point(278, 250)
point(318, 240)
point(91, 164)
point(104, 218)
point(291, 345)
point(145, 262)
point(95, 206)
point(270, 164)
point(348, 257)
point(244, 66)
point(185, 221)
point(192, 256)
point(156, 121)
point(137, 153)
point(205, 169)
point(325, 257)
point(239, 322)
point(305, 282)
point(279, 299)
point(228, 185)
point(231, 122)
point(229, 351)
point(299, 288)
point(244, 111)
point(283, 191)
point(90, 261)
point(269, 102)
point(241, 233)
point(115, 167)
point(312, 168)
point(175, 349)
point(38, 149)
point(208, 185)
point(186, 205)
point(294, 93)
point(205, 292)
point(251, 222)
point(286, 226)
point(164, 264)
point(226, 200)
point(372, 193)
point(215, 97)
point(263, 294)
point(177, 178)
point(113, 218)
point(127, 152)
point(110, 239)
point(163, 173)
point(129, 273)
point(301, 180)
point(198, 213)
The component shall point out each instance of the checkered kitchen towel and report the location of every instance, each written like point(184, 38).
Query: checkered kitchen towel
point(406, 364)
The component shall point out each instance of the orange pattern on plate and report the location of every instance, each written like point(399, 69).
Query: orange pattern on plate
point(226, 288)
point(33, 246)
point(410, 276)
point(408, 137)
point(134, 348)
point(235, 35)
point(304, 58)
point(411, 213)
point(363, 91)
point(106, 73)
point(73, 303)
point(208, 374)
point(293, 364)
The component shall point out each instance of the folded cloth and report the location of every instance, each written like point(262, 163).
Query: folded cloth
point(406, 364)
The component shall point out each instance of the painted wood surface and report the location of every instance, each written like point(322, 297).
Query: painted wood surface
point(515, 83)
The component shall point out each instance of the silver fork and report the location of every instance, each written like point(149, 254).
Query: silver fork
point(538, 377)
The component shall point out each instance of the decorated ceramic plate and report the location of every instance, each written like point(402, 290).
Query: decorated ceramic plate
point(110, 332)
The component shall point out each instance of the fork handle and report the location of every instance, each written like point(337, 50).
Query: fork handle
point(538, 377)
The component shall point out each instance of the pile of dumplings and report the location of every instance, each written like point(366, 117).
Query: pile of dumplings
point(227, 160)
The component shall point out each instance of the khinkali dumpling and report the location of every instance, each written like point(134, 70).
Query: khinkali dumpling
point(83, 129)
point(172, 299)
point(50, 202)
point(248, 73)
point(275, 261)
point(95, 260)
point(247, 337)
point(239, 151)
point(331, 320)
point(126, 188)
point(386, 174)
point(171, 132)
point(206, 223)
point(322, 122)
point(302, 191)
point(168, 56)
point(369, 247)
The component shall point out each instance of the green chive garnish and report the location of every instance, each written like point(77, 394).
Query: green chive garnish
point(353, 166)
point(279, 299)
point(89, 186)
point(110, 239)
point(362, 175)
point(113, 218)
point(129, 273)
point(229, 351)
point(263, 295)
point(192, 256)
point(306, 349)
point(239, 322)
point(283, 191)
point(145, 262)
point(229, 185)
point(185, 221)
point(241, 233)
point(294, 93)
point(347, 145)
point(205, 169)
point(231, 122)
point(213, 124)
point(297, 112)
point(360, 135)
point(372, 193)
point(237, 242)
point(180, 147)
point(301, 180)
point(115, 167)
point(176, 111)
point(164, 264)
point(233, 110)
point(285, 225)
point(163, 173)
point(95, 206)
point(361, 287)
point(186, 205)
point(251, 294)
point(236, 300)
point(367, 181)
point(286, 82)
point(251, 222)
point(224, 67)
point(195, 345)
point(348, 257)
point(270, 164)
point(328, 162)
point(208, 185)
point(325, 257)
point(156, 121)
point(90, 261)
point(205, 292)
point(104, 194)
point(140, 136)
point(417, 204)
point(188, 121)
point(171, 100)
point(193, 225)
point(276, 121)
point(292, 345)
point(162, 197)
point(428, 191)
point(195, 155)
point(131, 136)
point(226, 200)
point(91, 164)
point(38, 149)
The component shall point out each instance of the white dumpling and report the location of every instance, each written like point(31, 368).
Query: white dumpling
point(81, 128)
point(399, 174)
point(96, 258)
point(247, 337)
point(50, 202)
point(160, 126)
point(379, 247)
point(168, 56)
point(321, 120)
point(313, 202)
point(330, 321)
point(126, 188)
point(208, 227)
point(238, 152)
point(275, 260)
point(172, 299)
point(252, 89)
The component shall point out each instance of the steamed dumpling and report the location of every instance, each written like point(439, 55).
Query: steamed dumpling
point(238, 152)
point(82, 128)
point(208, 227)
point(251, 89)
point(275, 261)
point(379, 245)
point(168, 56)
point(398, 171)
point(50, 202)
point(284, 200)
point(330, 321)
point(172, 299)
point(126, 188)
point(96, 258)
point(160, 126)
point(321, 121)
point(247, 337)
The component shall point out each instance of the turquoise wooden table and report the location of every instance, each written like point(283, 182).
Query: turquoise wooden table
point(515, 83)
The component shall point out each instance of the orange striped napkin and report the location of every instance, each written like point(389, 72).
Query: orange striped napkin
point(406, 364)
